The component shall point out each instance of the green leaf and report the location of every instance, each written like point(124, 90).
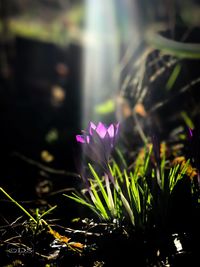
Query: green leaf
point(105, 107)
point(187, 120)
point(110, 197)
point(82, 201)
point(116, 172)
point(101, 187)
point(48, 211)
point(121, 157)
point(98, 203)
point(127, 207)
point(173, 77)
point(135, 194)
point(17, 204)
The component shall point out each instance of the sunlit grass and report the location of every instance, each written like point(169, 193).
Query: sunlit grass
point(130, 196)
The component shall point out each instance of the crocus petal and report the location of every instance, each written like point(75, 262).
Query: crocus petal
point(111, 130)
point(99, 141)
point(116, 128)
point(80, 139)
point(88, 139)
point(101, 130)
point(190, 132)
point(92, 127)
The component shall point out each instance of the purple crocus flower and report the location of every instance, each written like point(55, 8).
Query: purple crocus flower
point(98, 141)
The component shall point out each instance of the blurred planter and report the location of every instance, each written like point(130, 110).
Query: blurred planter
point(183, 46)
point(168, 88)
point(182, 42)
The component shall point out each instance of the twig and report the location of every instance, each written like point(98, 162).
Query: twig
point(85, 232)
point(45, 168)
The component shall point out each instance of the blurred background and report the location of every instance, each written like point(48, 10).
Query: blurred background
point(59, 69)
point(64, 63)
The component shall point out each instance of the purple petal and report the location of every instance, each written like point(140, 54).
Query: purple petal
point(116, 128)
point(190, 132)
point(111, 130)
point(80, 139)
point(92, 127)
point(101, 130)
